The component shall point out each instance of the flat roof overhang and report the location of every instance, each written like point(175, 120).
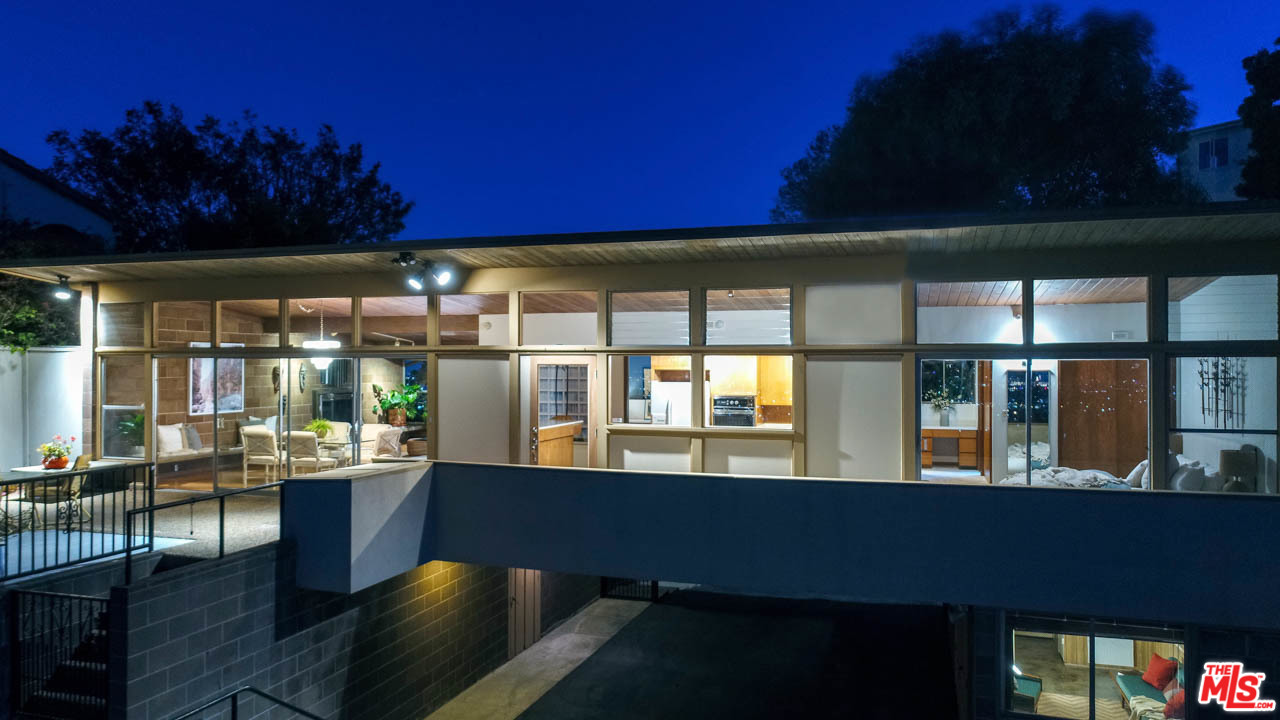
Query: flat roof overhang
point(1222, 223)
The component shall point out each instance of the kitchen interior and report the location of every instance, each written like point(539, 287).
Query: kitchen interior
point(740, 390)
point(748, 391)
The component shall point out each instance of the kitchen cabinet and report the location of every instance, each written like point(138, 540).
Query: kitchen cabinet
point(774, 373)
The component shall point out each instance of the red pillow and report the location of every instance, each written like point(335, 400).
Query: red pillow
point(1175, 708)
point(1159, 672)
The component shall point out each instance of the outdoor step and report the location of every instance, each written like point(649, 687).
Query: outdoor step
point(65, 705)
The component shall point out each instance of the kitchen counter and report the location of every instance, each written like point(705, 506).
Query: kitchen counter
point(948, 427)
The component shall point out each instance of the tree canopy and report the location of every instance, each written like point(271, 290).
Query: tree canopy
point(171, 186)
point(1023, 112)
point(1260, 112)
point(29, 316)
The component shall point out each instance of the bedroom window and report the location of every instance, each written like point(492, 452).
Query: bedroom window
point(969, 312)
point(1043, 422)
point(1062, 669)
point(1074, 310)
point(1222, 424)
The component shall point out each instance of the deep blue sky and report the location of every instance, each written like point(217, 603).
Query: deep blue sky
point(528, 117)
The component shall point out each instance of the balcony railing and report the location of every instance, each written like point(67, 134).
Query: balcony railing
point(57, 519)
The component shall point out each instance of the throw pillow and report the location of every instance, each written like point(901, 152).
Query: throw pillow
point(193, 438)
point(1159, 671)
point(388, 443)
point(1188, 478)
point(1172, 689)
point(169, 439)
point(1135, 475)
point(1176, 707)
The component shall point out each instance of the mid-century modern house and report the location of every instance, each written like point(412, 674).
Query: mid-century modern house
point(1062, 427)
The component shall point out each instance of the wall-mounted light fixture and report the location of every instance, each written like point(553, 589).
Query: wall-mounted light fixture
point(63, 291)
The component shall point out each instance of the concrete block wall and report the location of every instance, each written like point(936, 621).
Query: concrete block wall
point(564, 594)
point(398, 649)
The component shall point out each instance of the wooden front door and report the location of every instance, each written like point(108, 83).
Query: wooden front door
point(524, 615)
point(562, 408)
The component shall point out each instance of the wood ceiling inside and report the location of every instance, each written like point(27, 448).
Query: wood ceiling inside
point(1078, 291)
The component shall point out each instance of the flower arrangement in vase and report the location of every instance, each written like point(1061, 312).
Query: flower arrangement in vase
point(55, 454)
point(942, 404)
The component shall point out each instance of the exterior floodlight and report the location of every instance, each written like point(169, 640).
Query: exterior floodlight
point(442, 275)
point(415, 281)
point(63, 291)
point(405, 259)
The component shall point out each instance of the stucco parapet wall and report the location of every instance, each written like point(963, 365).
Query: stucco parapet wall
point(357, 526)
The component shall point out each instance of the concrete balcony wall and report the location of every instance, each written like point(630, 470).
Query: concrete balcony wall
point(1155, 556)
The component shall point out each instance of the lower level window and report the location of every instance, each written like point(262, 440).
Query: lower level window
point(1076, 670)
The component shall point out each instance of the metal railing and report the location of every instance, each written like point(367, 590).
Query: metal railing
point(59, 654)
point(55, 519)
point(233, 696)
point(628, 589)
point(150, 522)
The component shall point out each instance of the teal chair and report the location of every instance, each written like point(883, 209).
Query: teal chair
point(1026, 691)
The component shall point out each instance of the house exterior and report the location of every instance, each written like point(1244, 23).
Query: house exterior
point(27, 193)
point(1213, 158)
point(1034, 420)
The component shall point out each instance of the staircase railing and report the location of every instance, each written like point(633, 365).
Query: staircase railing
point(59, 654)
point(233, 696)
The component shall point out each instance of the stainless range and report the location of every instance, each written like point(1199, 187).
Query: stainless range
point(733, 410)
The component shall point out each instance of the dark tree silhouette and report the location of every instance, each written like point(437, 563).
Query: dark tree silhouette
point(170, 186)
point(1260, 112)
point(1022, 112)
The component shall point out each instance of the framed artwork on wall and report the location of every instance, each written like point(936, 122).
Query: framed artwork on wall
point(227, 387)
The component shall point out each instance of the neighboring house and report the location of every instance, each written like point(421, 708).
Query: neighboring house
point(1213, 158)
point(27, 193)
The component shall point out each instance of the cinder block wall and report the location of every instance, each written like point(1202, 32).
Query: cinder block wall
point(399, 649)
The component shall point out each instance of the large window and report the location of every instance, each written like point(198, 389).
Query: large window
point(1233, 307)
point(1222, 424)
point(1091, 310)
point(476, 319)
point(745, 391)
point(1065, 669)
point(955, 379)
point(1046, 423)
point(969, 312)
point(124, 393)
point(558, 318)
point(649, 318)
point(320, 322)
point(739, 316)
point(650, 390)
point(395, 321)
point(249, 323)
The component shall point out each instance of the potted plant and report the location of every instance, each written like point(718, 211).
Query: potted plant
point(320, 427)
point(55, 453)
point(398, 405)
point(132, 430)
point(942, 404)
